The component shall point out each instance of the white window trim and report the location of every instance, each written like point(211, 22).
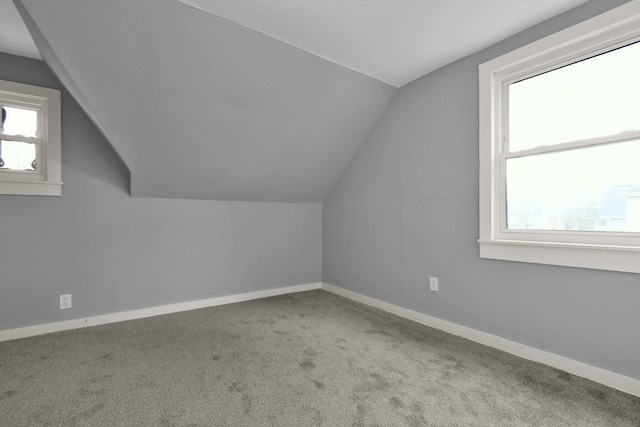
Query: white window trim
point(605, 251)
point(46, 180)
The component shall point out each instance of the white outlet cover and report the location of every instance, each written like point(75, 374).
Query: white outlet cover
point(433, 283)
point(65, 301)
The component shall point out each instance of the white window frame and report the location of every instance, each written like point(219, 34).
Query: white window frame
point(597, 250)
point(46, 179)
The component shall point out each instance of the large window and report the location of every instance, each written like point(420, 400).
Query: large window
point(29, 140)
point(560, 147)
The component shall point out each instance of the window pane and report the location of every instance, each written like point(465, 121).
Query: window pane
point(588, 189)
point(17, 155)
point(596, 97)
point(19, 121)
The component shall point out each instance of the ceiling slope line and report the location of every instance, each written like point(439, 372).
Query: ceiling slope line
point(316, 54)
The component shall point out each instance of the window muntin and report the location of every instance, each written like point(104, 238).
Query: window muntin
point(505, 152)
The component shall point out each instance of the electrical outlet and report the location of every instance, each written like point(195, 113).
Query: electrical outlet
point(65, 301)
point(433, 283)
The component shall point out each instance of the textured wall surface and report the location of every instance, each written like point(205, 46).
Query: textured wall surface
point(407, 208)
point(115, 253)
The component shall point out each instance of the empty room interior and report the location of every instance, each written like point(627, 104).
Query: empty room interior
point(303, 213)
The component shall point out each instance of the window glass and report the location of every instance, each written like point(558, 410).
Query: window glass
point(592, 98)
point(16, 155)
point(595, 188)
point(20, 121)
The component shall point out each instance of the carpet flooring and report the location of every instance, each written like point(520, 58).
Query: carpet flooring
point(305, 359)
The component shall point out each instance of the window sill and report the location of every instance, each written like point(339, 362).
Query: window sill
point(35, 188)
point(598, 257)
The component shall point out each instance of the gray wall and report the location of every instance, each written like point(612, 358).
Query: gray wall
point(407, 208)
point(213, 111)
point(115, 253)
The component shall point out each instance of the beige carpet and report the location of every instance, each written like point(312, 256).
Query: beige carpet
point(307, 359)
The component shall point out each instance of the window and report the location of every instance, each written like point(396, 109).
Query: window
point(29, 140)
point(560, 147)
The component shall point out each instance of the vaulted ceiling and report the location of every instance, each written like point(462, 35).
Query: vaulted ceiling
point(253, 100)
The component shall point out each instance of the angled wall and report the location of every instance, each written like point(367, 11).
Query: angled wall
point(200, 107)
point(116, 253)
point(406, 208)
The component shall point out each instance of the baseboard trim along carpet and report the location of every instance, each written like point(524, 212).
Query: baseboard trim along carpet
point(29, 331)
point(602, 376)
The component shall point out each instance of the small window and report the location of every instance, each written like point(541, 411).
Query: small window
point(560, 147)
point(29, 140)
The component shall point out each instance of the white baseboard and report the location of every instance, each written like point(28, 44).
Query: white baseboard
point(29, 331)
point(603, 376)
point(608, 378)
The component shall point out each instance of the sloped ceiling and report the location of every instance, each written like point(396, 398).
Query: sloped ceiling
point(395, 41)
point(14, 36)
point(201, 107)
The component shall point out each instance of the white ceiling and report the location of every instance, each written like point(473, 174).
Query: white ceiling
point(395, 41)
point(14, 36)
